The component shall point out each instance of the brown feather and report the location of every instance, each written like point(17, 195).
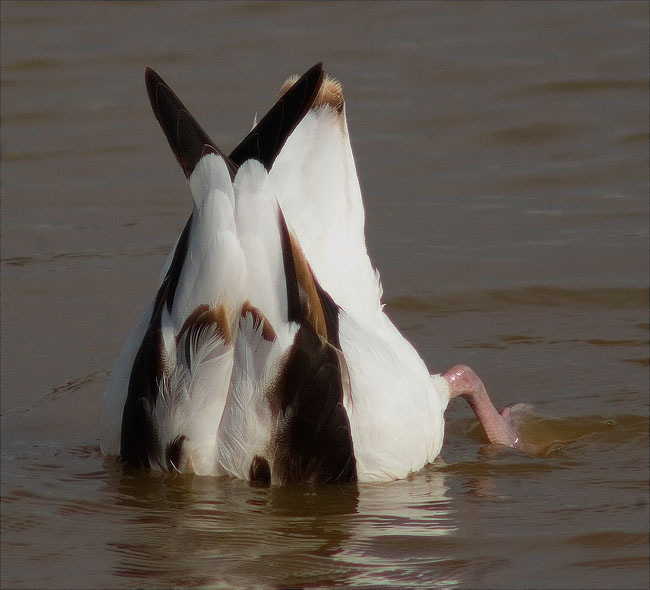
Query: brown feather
point(268, 333)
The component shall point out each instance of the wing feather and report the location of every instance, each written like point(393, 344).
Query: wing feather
point(316, 180)
point(267, 137)
point(185, 136)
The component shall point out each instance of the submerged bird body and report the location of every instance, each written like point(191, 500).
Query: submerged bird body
point(266, 354)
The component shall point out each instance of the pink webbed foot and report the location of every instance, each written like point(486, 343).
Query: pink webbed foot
point(498, 427)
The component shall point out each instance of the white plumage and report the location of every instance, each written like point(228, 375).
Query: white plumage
point(266, 354)
point(396, 408)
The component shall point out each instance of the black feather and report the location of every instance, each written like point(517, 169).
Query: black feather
point(185, 136)
point(313, 440)
point(266, 139)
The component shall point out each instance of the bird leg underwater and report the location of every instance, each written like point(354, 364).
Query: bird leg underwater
point(498, 426)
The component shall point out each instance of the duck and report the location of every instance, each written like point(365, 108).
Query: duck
point(266, 354)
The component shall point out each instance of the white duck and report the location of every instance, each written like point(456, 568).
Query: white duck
point(266, 354)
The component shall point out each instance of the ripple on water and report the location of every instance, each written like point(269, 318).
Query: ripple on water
point(533, 296)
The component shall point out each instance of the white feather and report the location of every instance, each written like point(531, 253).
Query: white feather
point(259, 236)
point(188, 403)
point(214, 393)
point(396, 407)
point(395, 410)
point(317, 186)
point(246, 424)
point(214, 267)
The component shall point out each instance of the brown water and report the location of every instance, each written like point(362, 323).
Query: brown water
point(503, 153)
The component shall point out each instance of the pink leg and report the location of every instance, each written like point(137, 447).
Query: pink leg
point(465, 383)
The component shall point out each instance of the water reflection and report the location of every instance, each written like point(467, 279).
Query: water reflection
point(209, 531)
point(182, 530)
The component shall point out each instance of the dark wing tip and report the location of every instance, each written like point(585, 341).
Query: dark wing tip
point(265, 141)
point(194, 143)
point(153, 81)
point(186, 137)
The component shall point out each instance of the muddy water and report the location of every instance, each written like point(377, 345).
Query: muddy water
point(503, 154)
